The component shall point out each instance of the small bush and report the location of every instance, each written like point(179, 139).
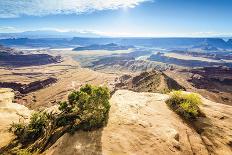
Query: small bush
point(32, 130)
point(92, 103)
point(186, 105)
point(86, 109)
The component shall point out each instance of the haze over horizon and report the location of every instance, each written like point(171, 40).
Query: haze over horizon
point(121, 18)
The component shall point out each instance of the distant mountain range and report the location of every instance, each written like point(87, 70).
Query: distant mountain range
point(168, 43)
point(48, 34)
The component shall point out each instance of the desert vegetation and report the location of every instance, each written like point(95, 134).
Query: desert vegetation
point(186, 105)
point(86, 109)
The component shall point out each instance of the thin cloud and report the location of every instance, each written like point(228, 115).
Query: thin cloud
point(13, 8)
point(7, 28)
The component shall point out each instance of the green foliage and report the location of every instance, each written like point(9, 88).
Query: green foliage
point(93, 106)
point(185, 104)
point(165, 91)
point(23, 152)
point(17, 128)
point(32, 130)
point(38, 121)
point(18, 151)
point(85, 109)
point(63, 106)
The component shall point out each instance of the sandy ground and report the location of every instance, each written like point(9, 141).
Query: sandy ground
point(141, 123)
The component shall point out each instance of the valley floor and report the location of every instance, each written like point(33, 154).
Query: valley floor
point(69, 76)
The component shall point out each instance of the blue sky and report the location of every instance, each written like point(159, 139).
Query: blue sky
point(153, 18)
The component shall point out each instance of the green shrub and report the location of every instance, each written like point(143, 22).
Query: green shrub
point(93, 106)
point(85, 109)
point(186, 105)
point(17, 128)
point(32, 130)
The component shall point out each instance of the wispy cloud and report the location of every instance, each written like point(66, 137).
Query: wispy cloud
point(7, 28)
point(17, 8)
point(209, 34)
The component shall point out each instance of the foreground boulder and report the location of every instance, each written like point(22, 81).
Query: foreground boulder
point(9, 113)
point(142, 123)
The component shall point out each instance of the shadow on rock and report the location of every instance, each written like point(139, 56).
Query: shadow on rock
point(81, 142)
